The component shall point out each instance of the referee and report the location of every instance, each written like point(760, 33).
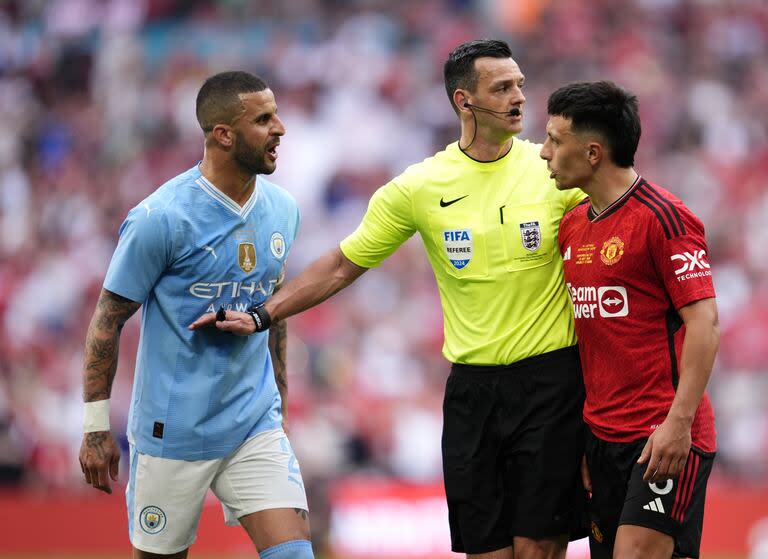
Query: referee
point(488, 214)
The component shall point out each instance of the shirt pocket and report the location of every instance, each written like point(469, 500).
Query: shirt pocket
point(527, 235)
point(459, 237)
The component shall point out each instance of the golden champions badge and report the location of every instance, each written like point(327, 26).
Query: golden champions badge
point(612, 251)
point(246, 256)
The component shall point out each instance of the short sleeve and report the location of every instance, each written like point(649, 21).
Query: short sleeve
point(294, 225)
point(563, 233)
point(142, 254)
point(572, 198)
point(387, 224)
point(681, 256)
point(297, 225)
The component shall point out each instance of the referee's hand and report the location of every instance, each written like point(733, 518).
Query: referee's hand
point(236, 322)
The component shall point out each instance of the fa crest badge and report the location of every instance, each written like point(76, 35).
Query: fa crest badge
point(246, 256)
point(530, 234)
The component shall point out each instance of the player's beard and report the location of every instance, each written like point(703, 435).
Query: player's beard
point(252, 158)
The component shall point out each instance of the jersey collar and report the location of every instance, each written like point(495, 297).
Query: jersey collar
point(209, 188)
point(594, 216)
point(512, 153)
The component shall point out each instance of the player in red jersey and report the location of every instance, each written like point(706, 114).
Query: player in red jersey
point(637, 268)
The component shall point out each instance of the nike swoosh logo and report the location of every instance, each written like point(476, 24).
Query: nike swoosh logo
point(444, 204)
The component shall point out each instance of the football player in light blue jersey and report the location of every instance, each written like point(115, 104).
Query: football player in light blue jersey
point(208, 406)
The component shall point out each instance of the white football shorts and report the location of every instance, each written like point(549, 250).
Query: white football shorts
point(165, 497)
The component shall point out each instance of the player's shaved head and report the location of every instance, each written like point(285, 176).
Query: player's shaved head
point(218, 101)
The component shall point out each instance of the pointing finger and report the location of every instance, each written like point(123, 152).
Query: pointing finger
point(646, 453)
point(206, 320)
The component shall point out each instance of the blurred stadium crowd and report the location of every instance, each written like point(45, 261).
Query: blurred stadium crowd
point(97, 109)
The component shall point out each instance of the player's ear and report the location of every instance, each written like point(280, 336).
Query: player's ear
point(595, 152)
point(224, 135)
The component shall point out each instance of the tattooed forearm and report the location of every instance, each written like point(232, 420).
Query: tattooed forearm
point(100, 367)
point(102, 343)
point(278, 343)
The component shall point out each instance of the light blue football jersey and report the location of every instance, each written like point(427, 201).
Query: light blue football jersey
point(184, 251)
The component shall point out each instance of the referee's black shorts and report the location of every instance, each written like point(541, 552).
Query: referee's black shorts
point(513, 439)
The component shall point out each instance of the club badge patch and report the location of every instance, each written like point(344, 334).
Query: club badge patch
point(530, 234)
point(246, 256)
point(458, 246)
point(277, 245)
point(612, 251)
point(152, 519)
point(596, 533)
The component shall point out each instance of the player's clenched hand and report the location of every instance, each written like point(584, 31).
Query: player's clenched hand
point(666, 450)
point(237, 322)
point(99, 459)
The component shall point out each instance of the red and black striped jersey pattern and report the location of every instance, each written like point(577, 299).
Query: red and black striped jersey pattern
point(629, 269)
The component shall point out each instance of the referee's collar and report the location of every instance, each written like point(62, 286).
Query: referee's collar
point(511, 146)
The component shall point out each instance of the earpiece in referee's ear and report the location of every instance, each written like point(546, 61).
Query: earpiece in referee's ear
point(466, 105)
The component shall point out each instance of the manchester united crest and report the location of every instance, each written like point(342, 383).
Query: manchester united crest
point(612, 251)
point(246, 256)
point(596, 533)
point(530, 233)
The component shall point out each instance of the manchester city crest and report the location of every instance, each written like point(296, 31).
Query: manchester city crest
point(530, 234)
point(152, 519)
point(277, 245)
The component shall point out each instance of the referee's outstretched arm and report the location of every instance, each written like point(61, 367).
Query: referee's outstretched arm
point(327, 275)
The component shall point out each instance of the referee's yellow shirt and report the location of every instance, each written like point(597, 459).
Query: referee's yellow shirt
point(490, 232)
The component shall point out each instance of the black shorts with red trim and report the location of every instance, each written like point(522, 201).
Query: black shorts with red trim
point(513, 440)
point(620, 496)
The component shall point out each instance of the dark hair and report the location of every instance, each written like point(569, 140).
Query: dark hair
point(605, 108)
point(459, 69)
point(218, 100)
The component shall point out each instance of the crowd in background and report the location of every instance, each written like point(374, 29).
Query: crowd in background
point(97, 110)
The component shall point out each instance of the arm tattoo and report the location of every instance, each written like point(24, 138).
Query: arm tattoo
point(95, 441)
point(302, 513)
point(102, 343)
point(278, 343)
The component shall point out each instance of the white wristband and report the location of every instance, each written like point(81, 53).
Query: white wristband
point(96, 416)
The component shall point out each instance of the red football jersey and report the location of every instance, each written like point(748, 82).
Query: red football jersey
point(628, 270)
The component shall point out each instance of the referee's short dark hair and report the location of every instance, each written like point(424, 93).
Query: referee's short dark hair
point(218, 100)
point(604, 108)
point(459, 70)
